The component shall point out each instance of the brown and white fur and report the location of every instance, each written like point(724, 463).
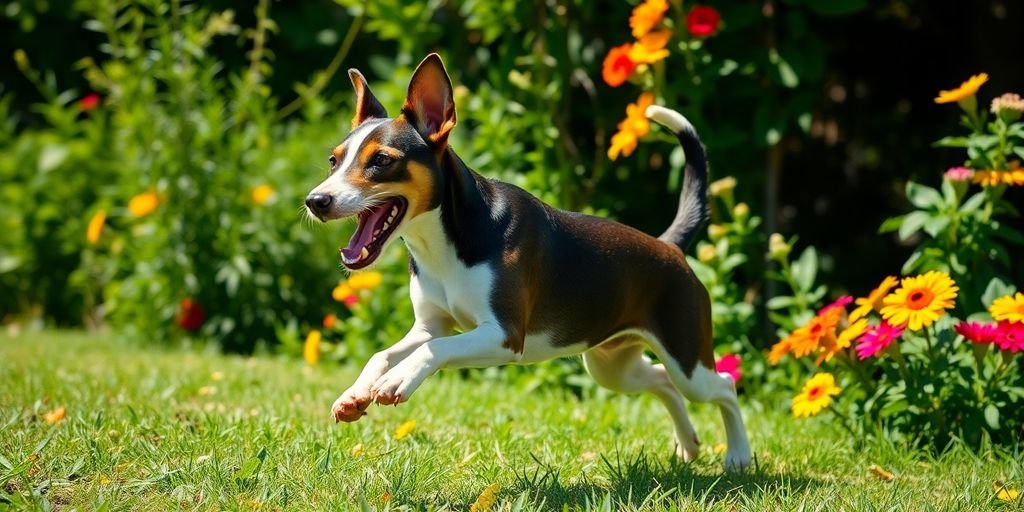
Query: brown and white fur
point(524, 282)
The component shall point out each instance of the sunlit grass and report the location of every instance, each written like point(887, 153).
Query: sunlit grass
point(157, 430)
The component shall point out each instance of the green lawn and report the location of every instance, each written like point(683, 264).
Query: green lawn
point(158, 430)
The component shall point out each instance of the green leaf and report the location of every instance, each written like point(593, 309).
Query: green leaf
point(1019, 151)
point(806, 268)
point(972, 204)
point(923, 197)
point(780, 302)
point(935, 225)
point(992, 416)
point(912, 223)
point(996, 288)
point(951, 142)
point(891, 224)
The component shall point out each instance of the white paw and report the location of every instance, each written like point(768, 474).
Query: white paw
point(688, 450)
point(737, 459)
point(351, 405)
point(399, 383)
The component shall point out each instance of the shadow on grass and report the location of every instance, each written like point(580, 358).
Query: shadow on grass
point(642, 481)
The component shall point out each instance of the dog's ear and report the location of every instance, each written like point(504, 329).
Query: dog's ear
point(429, 104)
point(367, 105)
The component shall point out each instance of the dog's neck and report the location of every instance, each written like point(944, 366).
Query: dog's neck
point(461, 224)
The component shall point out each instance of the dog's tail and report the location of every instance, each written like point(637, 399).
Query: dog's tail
point(693, 201)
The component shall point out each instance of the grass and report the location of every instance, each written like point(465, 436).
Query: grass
point(158, 430)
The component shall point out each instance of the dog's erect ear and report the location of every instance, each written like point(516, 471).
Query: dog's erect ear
point(429, 104)
point(367, 105)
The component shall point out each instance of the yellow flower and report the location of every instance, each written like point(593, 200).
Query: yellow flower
point(717, 231)
point(261, 194)
point(55, 416)
point(706, 253)
point(1009, 308)
point(95, 229)
point(722, 186)
point(646, 15)
point(365, 280)
point(1005, 493)
point(341, 292)
point(357, 450)
point(816, 395)
point(486, 499)
point(651, 47)
point(873, 300)
point(778, 249)
point(966, 89)
point(635, 125)
point(835, 345)
point(143, 204)
point(311, 348)
point(920, 300)
point(404, 429)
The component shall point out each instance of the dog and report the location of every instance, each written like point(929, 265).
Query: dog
point(523, 282)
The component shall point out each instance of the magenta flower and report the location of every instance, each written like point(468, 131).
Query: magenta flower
point(730, 364)
point(839, 303)
point(959, 174)
point(977, 332)
point(877, 339)
point(1010, 336)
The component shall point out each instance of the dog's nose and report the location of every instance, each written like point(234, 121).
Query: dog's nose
point(319, 203)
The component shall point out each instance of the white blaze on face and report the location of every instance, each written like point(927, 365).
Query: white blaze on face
point(347, 200)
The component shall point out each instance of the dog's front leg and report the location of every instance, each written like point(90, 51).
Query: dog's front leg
point(481, 347)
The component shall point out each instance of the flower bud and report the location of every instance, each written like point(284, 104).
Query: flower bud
point(1009, 107)
point(706, 253)
point(721, 187)
point(741, 212)
point(778, 249)
point(717, 231)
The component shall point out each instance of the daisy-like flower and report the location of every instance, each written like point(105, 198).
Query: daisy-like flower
point(405, 429)
point(877, 339)
point(874, 299)
point(651, 47)
point(809, 337)
point(920, 300)
point(729, 364)
point(1010, 337)
point(617, 65)
point(311, 348)
point(143, 204)
point(780, 349)
point(329, 320)
point(976, 332)
point(646, 16)
point(635, 125)
point(702, 21)
point(839, 303)
point(966, 89)
point(958, 174)
point(365, 280)
point(1009, 308)
point(816, 395)
point(834, 345)
point(95, 229)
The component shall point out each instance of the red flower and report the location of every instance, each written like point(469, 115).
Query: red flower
point(839, 303)
point(89, 102)
point(702, 21)
point(977, 332)
point(729, 364)
point(191, 315)
point(1010, 336)
point(617, 65)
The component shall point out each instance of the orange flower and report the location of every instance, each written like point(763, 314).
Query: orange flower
point(806, 339)
point(835, 344)
point(966, 89)
point(143, 204)
point(780, 349)
point(874, 299)
point(635, 125)
point(646, 15)
point(651, 47)
point(261, 194)
point(330, 320)
point(95, 229)
point(55, 416)
point(617, 65)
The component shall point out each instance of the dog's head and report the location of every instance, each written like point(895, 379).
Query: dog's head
point(388, 170)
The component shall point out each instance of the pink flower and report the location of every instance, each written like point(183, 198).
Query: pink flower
point(89, 102)
point(702, 21)
point(729, 363)
point(839, 303)
point(959, 174)
point(877, 339)
point(977, 332)
point(1010, 336)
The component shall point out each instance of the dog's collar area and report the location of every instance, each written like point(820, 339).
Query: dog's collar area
point(375, 225)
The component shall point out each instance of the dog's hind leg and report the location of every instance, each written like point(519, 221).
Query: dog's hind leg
point(623, 367)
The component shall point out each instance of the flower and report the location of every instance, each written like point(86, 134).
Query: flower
point(357, 450)
point(839, 303)
point(634, 126)
point(365, 280)
point(873, 300)
point(722, 186)
point(1005, 493)
point(834, 345)
point(261, 194)
point(706, 253)
point(966, 89)
point(329, 320)
point(341, 292)
point(486, 499)
point(920, 300)
point(646, 15)
point(143, 204)
point(1009, 106)
point(741, 211)
point(404, 429)
point(311, 348)
point(816, 395)
point(877, 339)
point(55, 416)
point(190, 315)
point(650, 48)
point(976, 332)
point(729, 364)
point(778, 249)
point(617, 65)
point(702, 21)
point(958, 174)
point(89, 102)
point(783, 347)
point(1010, 337)
point(808, 338)
point(717, 231)
point(1008, 308)
point(95, 229)
point(987, 178)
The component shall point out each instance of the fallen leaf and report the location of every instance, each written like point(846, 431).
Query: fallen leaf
point(880, 472)
point(386, 497)
point(54, 416)
point(357, 450)
point(485, 500)
point(719, 448)
point(104, 480)
point(1005, 493)
point(404, 429)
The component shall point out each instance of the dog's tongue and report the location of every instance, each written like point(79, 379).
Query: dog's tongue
point(364, 233)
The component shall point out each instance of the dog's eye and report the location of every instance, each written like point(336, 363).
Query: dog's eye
point(382, 160)
point(333, 160)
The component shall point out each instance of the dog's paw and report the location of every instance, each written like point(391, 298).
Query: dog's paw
point(737, 460)
point(398, 384)
point(349, 408)
point(689, 450)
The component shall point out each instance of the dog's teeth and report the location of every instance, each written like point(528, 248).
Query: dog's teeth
point(364, 253)
point(377, 233)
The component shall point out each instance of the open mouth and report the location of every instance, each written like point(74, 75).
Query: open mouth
point(376, 224)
